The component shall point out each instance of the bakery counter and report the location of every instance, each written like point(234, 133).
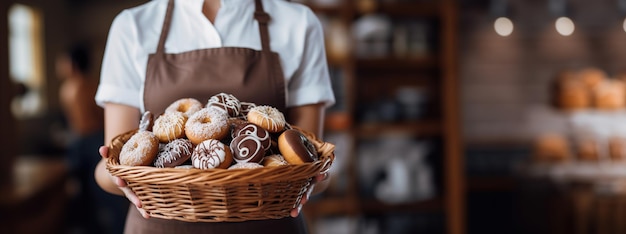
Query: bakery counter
point(36, 202)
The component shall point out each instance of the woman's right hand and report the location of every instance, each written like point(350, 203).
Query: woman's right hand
point(123, 186)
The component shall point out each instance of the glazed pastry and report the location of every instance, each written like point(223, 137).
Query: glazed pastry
point(211, 154)
point(187, 106)
point(296, 148)
point(247, 128)
point(245, 107)
point(146, 122)
point(268, 117)
point(274, 161)
point(247, 148)
point(226, 102)
point(208, 123)
point(170, 126)
point(140, 149)
point(174, 153)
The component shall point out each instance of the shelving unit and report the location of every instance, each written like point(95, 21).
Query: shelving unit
point(365, 80)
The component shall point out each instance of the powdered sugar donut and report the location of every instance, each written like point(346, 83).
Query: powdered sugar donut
point(247, 148)
point(211, 154)
point(208, 123)
point(225, 102)
point(170, 126)
point(174, 153)
point(268, 117)
point(247, 165)
point(187, 106)
point(140, 149)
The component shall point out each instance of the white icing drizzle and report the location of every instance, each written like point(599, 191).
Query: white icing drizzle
point(226, 102)
point(270, 116)
point(172, 151)
point(169, 124)
point(243, 152)
point(146, 120)
point(260, 133)
point(208, 154)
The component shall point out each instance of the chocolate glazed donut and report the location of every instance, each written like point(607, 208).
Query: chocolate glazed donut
point(296, 148)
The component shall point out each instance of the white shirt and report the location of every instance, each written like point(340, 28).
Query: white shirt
point(295, 34)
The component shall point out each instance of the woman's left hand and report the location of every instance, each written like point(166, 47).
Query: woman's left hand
point(319, 178)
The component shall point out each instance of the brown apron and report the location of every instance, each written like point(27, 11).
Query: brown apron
point(250, 75)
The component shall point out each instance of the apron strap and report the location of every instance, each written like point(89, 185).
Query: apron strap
point(166, 27)
point(263, 18)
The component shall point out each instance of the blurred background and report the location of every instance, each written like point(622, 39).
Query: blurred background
point(452, 116)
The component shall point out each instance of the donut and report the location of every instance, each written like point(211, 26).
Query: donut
point(268, 117)
point(226, 102)
point(296, 148)
point(170, 126)
point(247, 165)
point(245, 107)
point(274, 160)
point(247, 128)
point(140, 149)
point(211, 154)
point(174, 153)
point(247, 148)
point(208, 123)
point(146, 122)
point(187, 106)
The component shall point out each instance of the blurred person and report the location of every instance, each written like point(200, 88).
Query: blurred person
point(91, 209)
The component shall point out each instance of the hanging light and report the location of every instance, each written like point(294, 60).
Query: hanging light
point(621, 5)
point(502, 25)
point(563, 24)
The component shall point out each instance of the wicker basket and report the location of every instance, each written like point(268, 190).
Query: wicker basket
point(219, 195)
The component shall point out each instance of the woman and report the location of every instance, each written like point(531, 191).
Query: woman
point(263, 51)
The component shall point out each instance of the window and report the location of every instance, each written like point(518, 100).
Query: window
point(26, 60)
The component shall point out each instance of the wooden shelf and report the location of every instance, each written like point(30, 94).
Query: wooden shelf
point(414, 9)
point(395, 63)
point(415, 128)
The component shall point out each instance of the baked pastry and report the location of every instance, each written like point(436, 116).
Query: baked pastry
point(592, 76)
point(587, 150)
point(610, 95)
point(617, 148)
point(247, 128)
point(551, 148)
point(187, 106)
point(296, 148)
point(245, 107)
point(247, 148)
point(225, 102)
point(274, 160)
point(571, 93)
point(208, 123)
point(140, 149)
point(174, 153)
point(268, 117)
point(211, 154)
point(245, 165)
point(170, 126)
point(146, 122)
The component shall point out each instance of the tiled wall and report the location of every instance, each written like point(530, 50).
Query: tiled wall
point(505, 80)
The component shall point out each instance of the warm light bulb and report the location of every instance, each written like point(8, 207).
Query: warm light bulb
point(565, 26)
point(503, 26)
point(624, 25)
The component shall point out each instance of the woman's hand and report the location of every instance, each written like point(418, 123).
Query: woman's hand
point(319, 178)
point(130, 195)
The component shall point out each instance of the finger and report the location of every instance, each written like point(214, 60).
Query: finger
point(104, 151)
point(143, 213)
point(295, 212)
point(320, 177)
